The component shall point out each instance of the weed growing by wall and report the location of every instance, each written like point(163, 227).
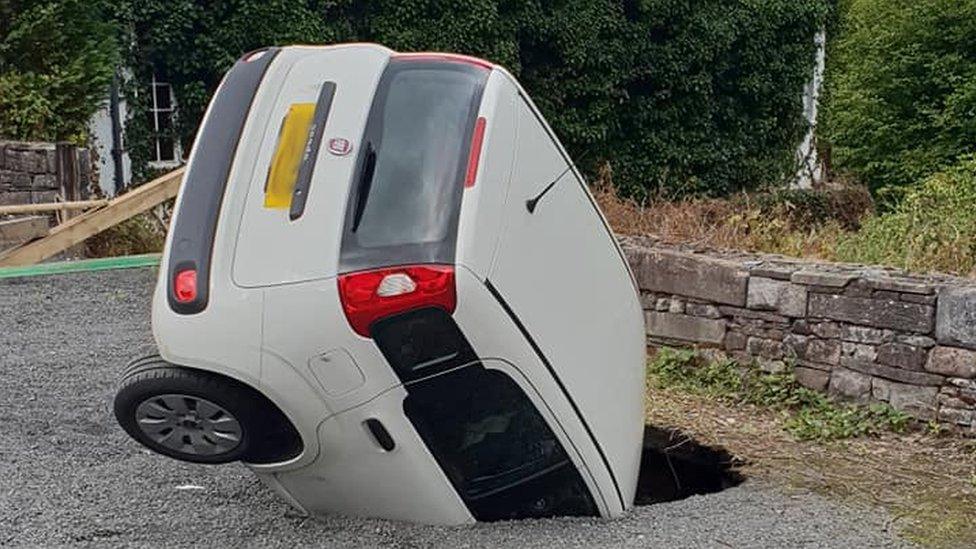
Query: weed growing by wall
point(933, 228)
point(812, 415)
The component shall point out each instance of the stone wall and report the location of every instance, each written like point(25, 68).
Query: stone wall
point(32, 173)
point(859, 332)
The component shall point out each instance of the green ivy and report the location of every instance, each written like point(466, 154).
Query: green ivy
point(57, 59)
point(191, 44)
point(713, 102)
point(675, 96)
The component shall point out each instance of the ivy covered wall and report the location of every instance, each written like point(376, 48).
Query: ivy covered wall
point(673, 96)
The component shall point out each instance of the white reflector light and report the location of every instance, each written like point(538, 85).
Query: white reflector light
point(396, 284)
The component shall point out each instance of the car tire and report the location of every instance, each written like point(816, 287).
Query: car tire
point(188, 414)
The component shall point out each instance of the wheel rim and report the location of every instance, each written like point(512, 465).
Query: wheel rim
point(188, 424)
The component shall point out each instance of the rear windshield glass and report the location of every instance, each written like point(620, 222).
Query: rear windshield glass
point(406, 194)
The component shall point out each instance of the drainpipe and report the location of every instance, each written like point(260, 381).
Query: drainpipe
point(118, 176)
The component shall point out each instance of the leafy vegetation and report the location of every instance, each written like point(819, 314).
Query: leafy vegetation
point(811, 415)
point(932, 228)
point(57, 58)
point(141, 234)
point(789, 222)
point(901, 88)
point(713, 102)
point(674, 96)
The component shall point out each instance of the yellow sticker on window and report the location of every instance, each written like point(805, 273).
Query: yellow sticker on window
point(292, 139)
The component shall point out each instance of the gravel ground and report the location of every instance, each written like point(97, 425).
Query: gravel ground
point(70, 476)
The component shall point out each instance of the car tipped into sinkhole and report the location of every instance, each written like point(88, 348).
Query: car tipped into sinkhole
point(388, 292)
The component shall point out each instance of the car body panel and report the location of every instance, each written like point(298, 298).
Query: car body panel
point(569, 286)
point(544, 297)
point(265, 251)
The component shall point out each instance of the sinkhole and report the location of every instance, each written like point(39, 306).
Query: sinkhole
point(675, 466)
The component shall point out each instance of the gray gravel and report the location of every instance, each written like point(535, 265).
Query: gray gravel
point(69, 475)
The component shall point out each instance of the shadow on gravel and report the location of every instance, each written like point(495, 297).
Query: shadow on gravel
point(675, 466)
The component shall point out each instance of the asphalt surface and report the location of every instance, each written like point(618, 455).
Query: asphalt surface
point(70, 476)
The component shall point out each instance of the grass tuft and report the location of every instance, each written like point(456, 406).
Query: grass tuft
point(932, 228)
point(810, 415)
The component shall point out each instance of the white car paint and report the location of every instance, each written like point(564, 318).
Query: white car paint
point(274, 319)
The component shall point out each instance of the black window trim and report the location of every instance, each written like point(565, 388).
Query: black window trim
point(466, 357)
point(472, 500)
point(323, 106)
point(205, 182)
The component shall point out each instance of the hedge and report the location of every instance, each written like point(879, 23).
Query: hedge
point(57, 59)
point(901, 89)
point(674, 96)
point(933, 228)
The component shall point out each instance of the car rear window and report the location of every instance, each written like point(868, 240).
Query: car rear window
point(406, 192)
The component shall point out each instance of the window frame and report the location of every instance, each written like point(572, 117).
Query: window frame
point(154, 112)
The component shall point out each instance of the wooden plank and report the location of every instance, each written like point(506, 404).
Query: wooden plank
point(67, 171)
point(14, 232)
point(51, 207)
point(77, 229)
point(66, 156)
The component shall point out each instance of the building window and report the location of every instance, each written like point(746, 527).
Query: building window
point(166, 152)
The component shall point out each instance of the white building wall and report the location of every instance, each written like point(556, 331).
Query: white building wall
point(810, 171)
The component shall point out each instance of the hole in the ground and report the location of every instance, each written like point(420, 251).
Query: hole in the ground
point(675, 466)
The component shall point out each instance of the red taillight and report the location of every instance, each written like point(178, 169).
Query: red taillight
point(368, 296)
point(474, 155)
point(185, 286)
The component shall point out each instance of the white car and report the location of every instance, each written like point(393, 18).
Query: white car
point(387, 291)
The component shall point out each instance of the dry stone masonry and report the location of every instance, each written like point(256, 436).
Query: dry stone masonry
point(858, 332)
point(32, 173)
point(35, 173)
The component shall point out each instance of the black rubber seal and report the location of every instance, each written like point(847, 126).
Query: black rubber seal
point(206, 180)
point(322, 108)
